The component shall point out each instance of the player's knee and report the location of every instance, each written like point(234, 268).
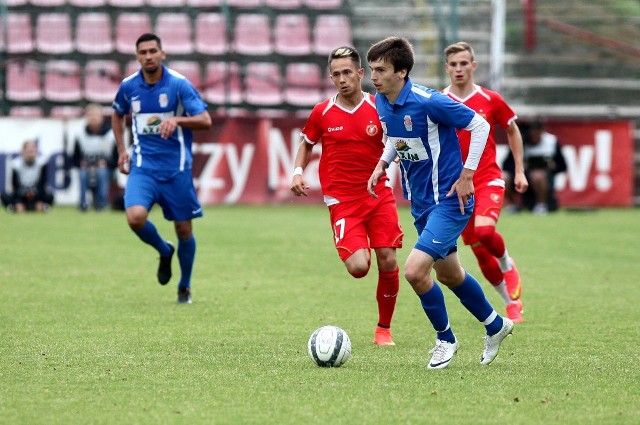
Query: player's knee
point(358, 270)
point(484, 234)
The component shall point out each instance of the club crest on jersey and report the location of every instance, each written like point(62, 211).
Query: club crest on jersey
point(135, 105)
point(408, 124)
point(372, 129)
point(163, 100)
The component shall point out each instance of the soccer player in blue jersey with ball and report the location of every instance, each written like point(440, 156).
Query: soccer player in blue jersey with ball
point(420, 125)
point(164, 108)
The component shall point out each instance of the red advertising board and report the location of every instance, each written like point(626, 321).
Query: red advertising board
point(599, 157)
point(250, 160)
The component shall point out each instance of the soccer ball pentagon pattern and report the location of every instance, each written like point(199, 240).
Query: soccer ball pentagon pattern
point(329, 346)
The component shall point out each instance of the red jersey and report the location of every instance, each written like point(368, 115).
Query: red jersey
point(351, 147)
point(492, 107)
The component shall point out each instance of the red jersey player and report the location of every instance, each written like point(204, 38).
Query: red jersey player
point(348, 127)
point(486, 243)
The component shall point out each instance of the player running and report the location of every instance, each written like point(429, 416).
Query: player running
point(486, 242)
point(348, 127)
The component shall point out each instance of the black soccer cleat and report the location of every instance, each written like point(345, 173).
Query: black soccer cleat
point(164, 267)
point(184, 296)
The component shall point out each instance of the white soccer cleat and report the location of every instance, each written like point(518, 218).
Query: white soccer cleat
point(492, 343)
point(442, 354)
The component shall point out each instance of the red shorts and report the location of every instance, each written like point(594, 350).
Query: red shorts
point(488, 202)
point(366, 223)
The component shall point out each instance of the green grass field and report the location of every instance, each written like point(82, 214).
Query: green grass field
point(89, 337)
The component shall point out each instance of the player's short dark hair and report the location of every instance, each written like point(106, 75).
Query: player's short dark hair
point(345, 52)
point(397, 51)
point(148, 37)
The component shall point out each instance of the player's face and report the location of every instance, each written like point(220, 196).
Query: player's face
point(460, 68)
point(346, 76)
point(387, 81)
point(150, 56)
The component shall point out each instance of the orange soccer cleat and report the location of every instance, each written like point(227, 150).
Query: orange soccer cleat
point(514, 311)
point(383, 337)
point(513, 282)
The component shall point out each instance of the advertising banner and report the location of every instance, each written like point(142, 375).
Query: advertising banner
point(250, 160)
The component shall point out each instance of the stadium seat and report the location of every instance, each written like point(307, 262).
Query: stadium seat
point(292, 35)
point(129, 26)
point(126, 3)
point(252, 34)
point(19, 33)
point(88, 3)
point(93, 33)
point(263, 84)
point(322, 4)
point(48, 3)
point(165, 3)
point(53, 33)
point(211, 34)
point(131, 67)
point(26, 112)
point(66, 111)
point(245, 4)
point(174, 29)
point(14, 3)
point(329, 32)
point(62, 81)
point(303, 84)
point(190, 69)
point(204, 3)
point(23, 81)
point(222, 83)
point(101, 80)
point(283, 4)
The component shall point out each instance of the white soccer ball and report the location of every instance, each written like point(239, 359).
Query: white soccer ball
point(329, 346)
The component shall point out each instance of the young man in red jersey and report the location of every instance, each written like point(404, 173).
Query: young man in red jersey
point(486, 243)
point(348, 127)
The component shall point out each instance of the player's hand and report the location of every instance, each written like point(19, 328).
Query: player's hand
point(299, 186)
point(123, 162)
point(464, 188)
point(520, 182)
point(167, 127)
point(373, 181)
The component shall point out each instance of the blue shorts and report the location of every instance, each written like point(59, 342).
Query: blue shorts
point(440, 226)
point(174, 192)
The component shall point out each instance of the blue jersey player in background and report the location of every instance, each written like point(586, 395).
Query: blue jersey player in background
point(420, 124)
point(164, 108)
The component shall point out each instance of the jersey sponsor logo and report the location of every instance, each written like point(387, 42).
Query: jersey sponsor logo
point(410, 149)
point(150, 123)
point(372, 129)
point(332, 129)
point(163, 100)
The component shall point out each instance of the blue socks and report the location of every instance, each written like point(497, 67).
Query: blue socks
point(186, 257)
point(472, 297)
point(149, 234)
point(435, 309)
point(186, 250)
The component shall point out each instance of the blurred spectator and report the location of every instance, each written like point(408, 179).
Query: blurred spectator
point(29, 191)
point(543, 160)
point(96, 156)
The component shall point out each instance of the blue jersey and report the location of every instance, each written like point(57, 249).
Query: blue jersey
point(149, 105)
point(422, 126)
